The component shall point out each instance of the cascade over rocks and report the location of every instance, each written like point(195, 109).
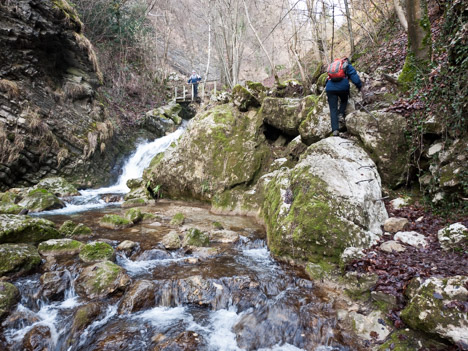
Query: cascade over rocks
point(222, 148)
point(50, 121)
point(383, 136)
point(326, 203)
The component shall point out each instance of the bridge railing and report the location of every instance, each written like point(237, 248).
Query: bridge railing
point(185, 91)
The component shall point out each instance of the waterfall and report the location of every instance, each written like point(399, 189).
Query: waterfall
point(133, 168)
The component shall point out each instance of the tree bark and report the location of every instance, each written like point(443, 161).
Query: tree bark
point(419, 30)
point(401, 14)
point(350, 29)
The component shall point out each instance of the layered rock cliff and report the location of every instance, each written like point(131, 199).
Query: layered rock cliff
point(51, 119)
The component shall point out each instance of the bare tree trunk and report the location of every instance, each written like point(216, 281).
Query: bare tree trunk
point(350, 29)
point(419, 30)
point(324, 32)
point(273, 70)
point(333, 32)
point(209, 52)
point(401, 14)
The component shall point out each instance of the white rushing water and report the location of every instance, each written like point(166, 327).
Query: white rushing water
point(91, 198)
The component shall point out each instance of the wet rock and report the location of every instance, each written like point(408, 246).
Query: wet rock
point(9, 297)
point(195, 237)
point(296, 148)
point(322, 206)
point(139, 297)
point(436, 307)
point(25, 229)
point(39, 338)
point(39, 200)
point(171, 241)
point(127, 246)
point(18, 258)
point(315, 271)
point(411, 340)
point(84, 316)
point(224, 236)
point(60, 247)
point(10, 208)
point(154, 254)
point(134, 215)
point(411, 238)
point(54, 284)
point(392, 245)
point(185, 341)
point(163, 119)
point(357, 284)
point(370, 326)
point(117, 335)
point(203, 252)
point(72, 229)
point(113, 221)
point(282, 113)
point(221, 148)
point(243, 99)
point(97, 251)
point(388, 300)
point(178, 219)
point(395, 224)
point(383, 136)
point(452, 236)
point(57, 186)
point(316, 123)
point(101, 279)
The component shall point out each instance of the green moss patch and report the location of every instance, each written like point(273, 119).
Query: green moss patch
point(9, 296)
point(25, 229)
point(195, 237)
point(113, 221)
point(178, 219)
point(59, 247)
point(18, 258)
point(96, 251)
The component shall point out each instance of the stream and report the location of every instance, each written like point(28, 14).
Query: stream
point(229, 296)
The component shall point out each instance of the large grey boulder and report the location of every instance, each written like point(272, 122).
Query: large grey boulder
point(163, 119)
point(433, 308)
point(316, 123)
point(26, 229)
point(282, 113)
point(383, 136)
point(452, 236)
point(18, 258)
point(325, 204)
point(221, 148)
point(57, 186)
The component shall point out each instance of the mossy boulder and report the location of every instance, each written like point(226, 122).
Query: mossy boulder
point(322, 206)
point(383, 136)
point(60, 247)
point(18, 258)
point(163, 119)
point(101, 279)
point(39, 200)
point(315, 116)
point(452, 236)
point(178, 219)
point(135, 183)
point(84, 316)
point(10, 208)
point(195, 237)
point(139, 193)
point(9, 297)
point(243, 99)
point(96, 251)
point(434, 308)
point(134, 215)
point(57, 186)
point(283, 114)
point(410, 340)
point(72, 229)
point(289, 88)
point(113, 221)
point(26, 229)
point(220, 149)
point(258, 90)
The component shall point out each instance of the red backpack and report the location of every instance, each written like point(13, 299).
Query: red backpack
point(337, 69)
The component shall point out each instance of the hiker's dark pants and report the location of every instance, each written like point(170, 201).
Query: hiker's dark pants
point(333, 97)
point(195, 90)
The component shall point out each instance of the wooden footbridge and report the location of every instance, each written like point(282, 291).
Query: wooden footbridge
point(184, 93)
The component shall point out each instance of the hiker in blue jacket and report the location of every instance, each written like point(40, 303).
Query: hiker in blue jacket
point(339, 73)
point(194, 79)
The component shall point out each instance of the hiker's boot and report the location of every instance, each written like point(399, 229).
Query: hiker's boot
point(336, 133)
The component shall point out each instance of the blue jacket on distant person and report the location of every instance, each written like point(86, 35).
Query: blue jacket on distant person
point(343, 85)
point(194, 78)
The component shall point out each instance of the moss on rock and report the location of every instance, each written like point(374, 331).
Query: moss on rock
point(282, 113)
point(113, 221)
point(195, 237)
point(39, 200)
point(18, 258)
point(96, 251)
point(134, 215)
point(9, 208)
point(9, 297)
point(59, 247)
point(243, 98)
point(178, 219)
point(57, 186)
point(25, 229)
point(72, 229)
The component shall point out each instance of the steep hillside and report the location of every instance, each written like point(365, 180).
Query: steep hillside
point(51, 119)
